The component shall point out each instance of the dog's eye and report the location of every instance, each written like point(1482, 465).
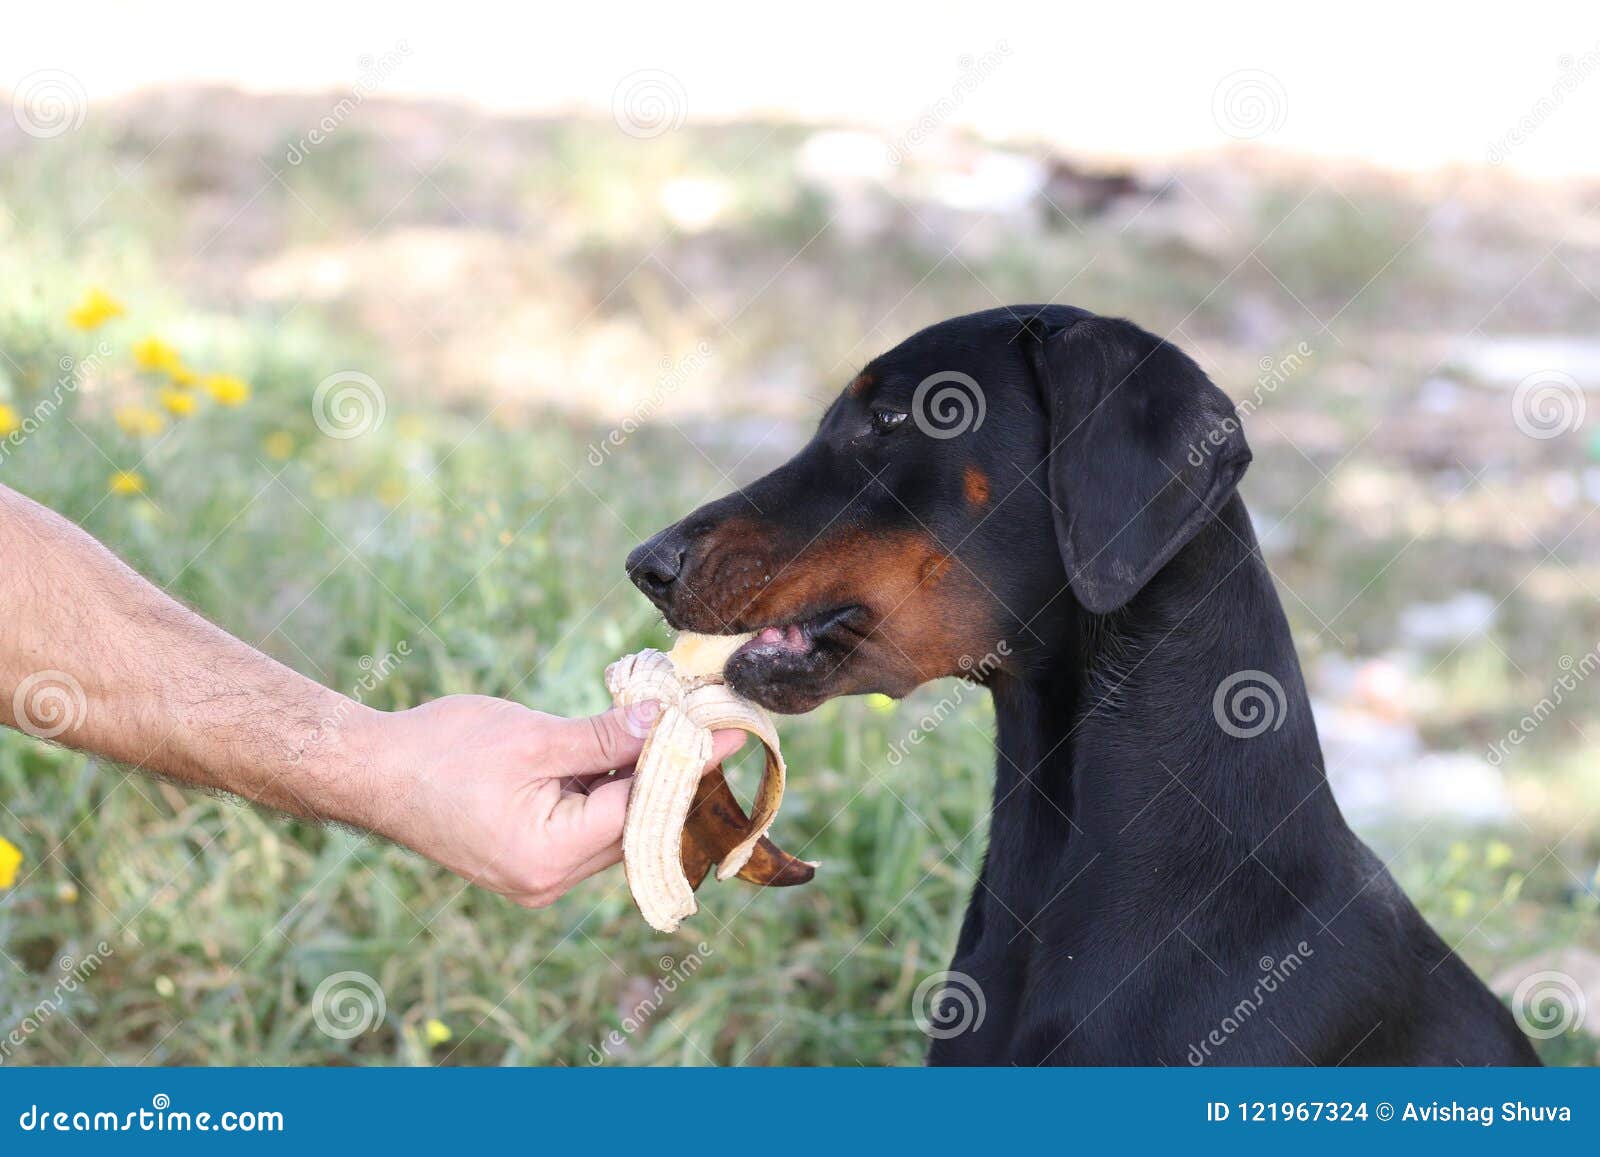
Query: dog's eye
point(885, 420)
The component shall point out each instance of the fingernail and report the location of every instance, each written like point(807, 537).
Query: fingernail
point(644, 712)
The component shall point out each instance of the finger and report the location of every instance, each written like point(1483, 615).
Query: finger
point(598, 743)
point(586, 825)
point(589, 824)
point(607, 857)
point(584, 784)
point(724, 744)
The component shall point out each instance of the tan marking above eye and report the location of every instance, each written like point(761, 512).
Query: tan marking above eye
point(859, 385)
point(976, 485)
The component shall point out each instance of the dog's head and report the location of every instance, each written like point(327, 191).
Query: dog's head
point(965, 496)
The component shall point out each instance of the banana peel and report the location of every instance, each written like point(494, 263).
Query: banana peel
point(679, 822)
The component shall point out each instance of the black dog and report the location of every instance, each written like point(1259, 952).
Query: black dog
point(1044, 500)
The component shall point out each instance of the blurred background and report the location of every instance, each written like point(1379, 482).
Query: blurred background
point(381, 335)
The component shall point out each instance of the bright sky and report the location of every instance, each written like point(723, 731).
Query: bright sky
point(1388, 82)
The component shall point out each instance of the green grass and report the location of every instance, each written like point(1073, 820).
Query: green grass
point(481, 537)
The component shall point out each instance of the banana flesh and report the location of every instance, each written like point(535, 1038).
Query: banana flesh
point(680, 823)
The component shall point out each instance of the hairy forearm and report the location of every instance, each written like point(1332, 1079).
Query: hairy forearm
point(95, 657)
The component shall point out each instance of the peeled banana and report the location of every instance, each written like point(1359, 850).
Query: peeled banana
point(680, 823)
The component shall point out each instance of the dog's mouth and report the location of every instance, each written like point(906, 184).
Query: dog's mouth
point(795, 639)
point(791, 667)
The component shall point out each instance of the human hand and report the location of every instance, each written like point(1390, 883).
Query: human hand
point(514, 800)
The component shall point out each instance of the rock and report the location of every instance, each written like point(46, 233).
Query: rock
point(1449, 621)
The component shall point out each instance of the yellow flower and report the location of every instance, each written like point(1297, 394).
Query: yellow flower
point(227, 390)
point(1498, 854)
point(436, 1032)
point(10, 861)
point(96, 308)
point(127, 482)
point(882, 704)
point(183, 376)
point(9, 422)
point(279, 445)
point(67, 892)
point(151, 353)
point(176, 402)
point(140, 420)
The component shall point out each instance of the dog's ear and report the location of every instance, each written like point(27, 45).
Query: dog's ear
point(1143, 450)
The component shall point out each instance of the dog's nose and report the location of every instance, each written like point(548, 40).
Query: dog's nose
point(654, 566)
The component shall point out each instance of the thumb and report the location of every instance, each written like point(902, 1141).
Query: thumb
point(604, 742)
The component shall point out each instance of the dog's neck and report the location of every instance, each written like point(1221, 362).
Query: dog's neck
point(1126, 727)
